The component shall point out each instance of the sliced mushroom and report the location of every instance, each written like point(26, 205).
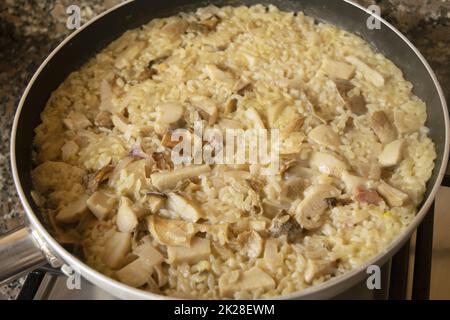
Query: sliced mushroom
point(274, 112)
point(369, 73)
point(116, 249)
point(73, 211)
point(242, 86)
point(219, 232)
point(69, 150)
point(135, 274)
point(255, 118)
point(230, 106)
point(199, 250)
point(101, 204)
point(211, 22)
point(324, 135)
point(208, 110)
point(252, 243)
point(308, 212)
point(327, 163)
point(382, 127)
point(183, 207)
point(249, 280)
point(76, 121)
point(284, 224)
point(392, 153)
point(106, 96)
point(315, 269)
point(357, 104)
point(337, 69)
point(171, 232)
point(127, 216)
point(351, 182)
point(216, 74)
point(343, 86)
point(174, 29)
point(138, 272)
point(169, 112)
point(364, 195)
point(369, 168)
point(393, 196)
point(149, 253)
point(100, 176)
point(126, 58)
point(156, 201)
point(168, 179)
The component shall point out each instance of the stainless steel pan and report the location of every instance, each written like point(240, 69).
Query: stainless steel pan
point(32, 245)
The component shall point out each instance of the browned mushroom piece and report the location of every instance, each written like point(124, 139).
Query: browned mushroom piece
point(382, 127)
point(357, 105)
point(100, 176)
point(309, 211)
point(205, 26)
point(284, 224)
point(364, 195)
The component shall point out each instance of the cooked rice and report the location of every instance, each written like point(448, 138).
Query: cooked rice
point(281, 54)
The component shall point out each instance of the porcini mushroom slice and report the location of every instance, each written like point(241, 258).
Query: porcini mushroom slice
point(149, 254)
point(175, 29)
point(126, 216)
point(199, 250)
point(219, 232)
point(252, 243)
point(308, 212)
point(208, 110)
point(214, 73)
point(171, 232)
point(392, 153)
point(369, 73)
point(138, 272)
point(73, 211)
point(315, 269)
point(393, 196)
point(116, 249)
point(327, 163)
point(168, 179)
point(382, 127)
point(255, 118)
point(183, 207)
point(337, 69)
point(365, 195)
point(249, 280)
point(351, 182)
point(324, 135)
point(169, 112)
point(101, 204)
point(135, 274)
point(357, 104)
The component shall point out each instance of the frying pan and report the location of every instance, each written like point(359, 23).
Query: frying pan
point(32, 245)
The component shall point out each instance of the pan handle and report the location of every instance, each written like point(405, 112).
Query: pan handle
point(19, 254)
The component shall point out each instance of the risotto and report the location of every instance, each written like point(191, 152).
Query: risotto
point(354, 155)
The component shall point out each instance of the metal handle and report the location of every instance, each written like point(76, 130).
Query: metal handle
point(19, 254)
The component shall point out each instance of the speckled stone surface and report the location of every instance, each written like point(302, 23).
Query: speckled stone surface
point(30, 29)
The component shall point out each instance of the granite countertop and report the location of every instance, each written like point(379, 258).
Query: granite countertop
point(30, 29)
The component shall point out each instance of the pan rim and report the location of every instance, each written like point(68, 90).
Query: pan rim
point(121, 290)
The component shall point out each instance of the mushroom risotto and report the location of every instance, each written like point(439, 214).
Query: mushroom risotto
point(354, 155)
